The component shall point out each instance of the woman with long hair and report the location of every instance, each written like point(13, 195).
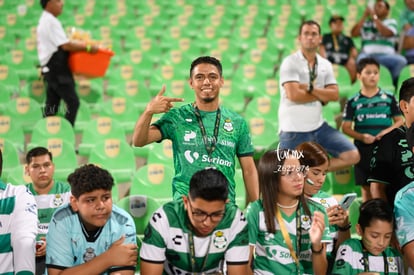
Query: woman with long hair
point(286, 232)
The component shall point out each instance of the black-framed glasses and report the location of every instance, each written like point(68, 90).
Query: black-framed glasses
point(201, 216)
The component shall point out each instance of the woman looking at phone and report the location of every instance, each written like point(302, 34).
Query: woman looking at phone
point(316, 160)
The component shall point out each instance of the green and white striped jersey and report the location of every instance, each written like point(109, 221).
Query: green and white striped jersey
point(47, 204)
point(167, 241)
point(350, 260)
point(272, 255)
point(18, 228)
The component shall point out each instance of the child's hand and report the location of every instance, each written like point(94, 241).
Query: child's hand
point(368, 139)
point(123, 254)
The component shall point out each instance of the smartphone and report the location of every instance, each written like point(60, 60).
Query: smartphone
point(347, 200)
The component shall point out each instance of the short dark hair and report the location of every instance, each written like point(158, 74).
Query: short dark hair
point(209, 60)
point(43, 3)
point(209, 184)
point(37, 151)
point(88, 178)
point(375, 209)
point(309, 22)
point(407, 90)
point(366, 61)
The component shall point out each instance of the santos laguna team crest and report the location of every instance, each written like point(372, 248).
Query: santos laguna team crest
point(228, 126)
point(89, 254)
point(219, 240)
point(58, 200)
point(305, 222)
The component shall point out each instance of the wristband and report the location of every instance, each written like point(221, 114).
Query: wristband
point(88, 48)
point(344, 228)
point(317, 251)
point(310, 88)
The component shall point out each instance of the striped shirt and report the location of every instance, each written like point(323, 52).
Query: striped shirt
point(18, 227)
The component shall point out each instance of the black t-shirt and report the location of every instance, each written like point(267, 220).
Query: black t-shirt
point(341, 54)
point(392, 162)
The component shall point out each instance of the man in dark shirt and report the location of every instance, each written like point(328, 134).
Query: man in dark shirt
point(339, 48)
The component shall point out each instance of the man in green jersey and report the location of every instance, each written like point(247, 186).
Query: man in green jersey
point(49, 194)
point(203, 133)
point(198, 234)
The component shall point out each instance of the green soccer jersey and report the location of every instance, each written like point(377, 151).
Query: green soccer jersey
point(350, 260)
point(47, 204)
point(190, 153)
point(371, 114)
point(272, 255)
point(167, 241)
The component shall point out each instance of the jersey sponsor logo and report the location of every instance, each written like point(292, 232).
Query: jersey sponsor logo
point(227, 143)
point(89, 254)
point(189, 135)
point(219, 240)
point(31, 208)
point(191, 156)
point(177, 239)
point(156, 217)
point(217, 160)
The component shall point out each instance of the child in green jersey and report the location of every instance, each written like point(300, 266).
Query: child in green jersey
point(368, 116)
point(373, 252)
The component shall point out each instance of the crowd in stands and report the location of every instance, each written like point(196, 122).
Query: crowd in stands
point(238, 122)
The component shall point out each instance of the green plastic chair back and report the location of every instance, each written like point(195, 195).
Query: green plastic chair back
point(52, 127)
point(10, 157)
point(25, 111)
point(115, 155)
point(154, 180)
point(99, 129)
point(141, 208)
point(12, 131)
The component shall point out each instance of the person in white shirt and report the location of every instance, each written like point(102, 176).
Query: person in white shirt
point(53, 48)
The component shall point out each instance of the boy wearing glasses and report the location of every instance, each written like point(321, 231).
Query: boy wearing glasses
point(49, 195)
point(198, 234)
point(91, 235)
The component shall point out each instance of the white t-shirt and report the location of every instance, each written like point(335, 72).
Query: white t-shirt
point(302, 117)
point(50, 35)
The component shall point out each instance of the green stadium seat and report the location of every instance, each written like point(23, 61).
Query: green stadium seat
point(99, 129)
point(154, 180)
point(25, 111)
point(52, 127)
point(12, 131)
point(115, 155)
point(10, 157)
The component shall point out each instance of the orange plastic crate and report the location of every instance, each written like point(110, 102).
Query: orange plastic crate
point(90, 64)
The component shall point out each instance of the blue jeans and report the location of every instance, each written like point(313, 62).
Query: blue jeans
point(332, 140)
point(394, 62)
